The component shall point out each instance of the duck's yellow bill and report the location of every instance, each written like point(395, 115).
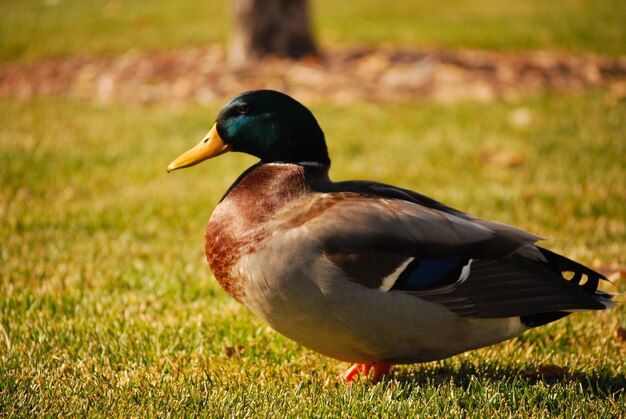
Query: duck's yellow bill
point(210, 146)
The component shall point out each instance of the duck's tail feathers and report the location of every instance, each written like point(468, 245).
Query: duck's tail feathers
point(586, 278)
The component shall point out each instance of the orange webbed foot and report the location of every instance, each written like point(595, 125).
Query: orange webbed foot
point(379, 369)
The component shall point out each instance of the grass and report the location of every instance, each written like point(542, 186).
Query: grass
point(574, 25)
point(108, 308)
point(32, 29)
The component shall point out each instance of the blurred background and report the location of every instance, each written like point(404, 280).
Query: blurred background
point(509, 110)
point(193, 51)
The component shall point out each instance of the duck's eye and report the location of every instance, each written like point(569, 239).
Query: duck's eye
point(243, 109)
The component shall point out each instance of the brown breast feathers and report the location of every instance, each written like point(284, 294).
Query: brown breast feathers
point(240, 221)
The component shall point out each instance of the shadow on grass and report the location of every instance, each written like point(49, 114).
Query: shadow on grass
point(604, 383)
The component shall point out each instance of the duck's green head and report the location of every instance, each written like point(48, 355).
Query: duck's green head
point(264, 123)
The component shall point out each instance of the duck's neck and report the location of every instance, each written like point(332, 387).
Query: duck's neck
point(244, 216)
point(265, 188)
point(278, 181)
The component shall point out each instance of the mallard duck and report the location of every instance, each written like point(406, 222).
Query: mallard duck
point(362, 271)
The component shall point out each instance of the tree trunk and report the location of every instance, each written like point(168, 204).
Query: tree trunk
point(270, 27)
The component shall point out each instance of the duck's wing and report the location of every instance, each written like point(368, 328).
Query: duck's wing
point(473, 267)
point(383, 190)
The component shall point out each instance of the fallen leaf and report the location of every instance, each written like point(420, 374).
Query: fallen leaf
point(520, 118)
point(236, 350)
point(548, 372)
point(502, 158)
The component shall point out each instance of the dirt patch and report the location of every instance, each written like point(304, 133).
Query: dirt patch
point(202, 75)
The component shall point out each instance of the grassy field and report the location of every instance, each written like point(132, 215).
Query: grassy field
point(31, 29)
point(107, 305)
